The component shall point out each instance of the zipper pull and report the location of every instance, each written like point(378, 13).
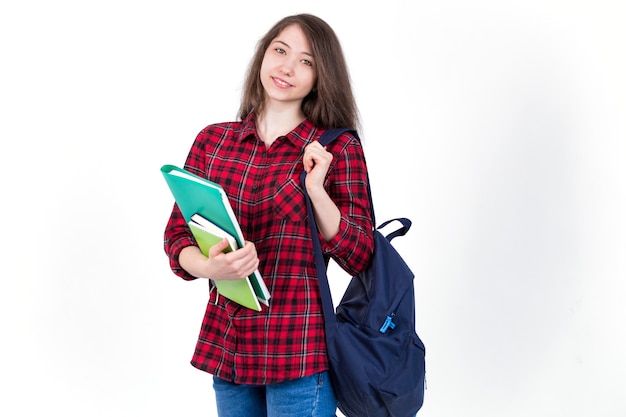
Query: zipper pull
point(387, 324)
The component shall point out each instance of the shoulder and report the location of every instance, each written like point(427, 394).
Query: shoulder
point(217, 130)
point(235, 129)
point(219, 133)
point(346, 140)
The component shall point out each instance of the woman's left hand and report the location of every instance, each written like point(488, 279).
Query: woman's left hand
point(316, 162)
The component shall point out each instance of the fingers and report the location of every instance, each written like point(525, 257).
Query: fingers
point(316, 156)
point(233, 265)
point(218, 248)
point(316, 150)
point(244, 261)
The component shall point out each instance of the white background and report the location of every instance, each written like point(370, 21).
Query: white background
point(496, 126)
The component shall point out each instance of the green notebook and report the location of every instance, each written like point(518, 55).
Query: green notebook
point(197, 195)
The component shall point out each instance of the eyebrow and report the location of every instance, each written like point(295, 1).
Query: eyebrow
point(287, 45)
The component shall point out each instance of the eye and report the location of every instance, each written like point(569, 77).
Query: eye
point(307, 62)
point(280, 51)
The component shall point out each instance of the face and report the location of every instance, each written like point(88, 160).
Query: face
point(288, 69)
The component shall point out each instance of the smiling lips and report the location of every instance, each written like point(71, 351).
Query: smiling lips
point(281, 83)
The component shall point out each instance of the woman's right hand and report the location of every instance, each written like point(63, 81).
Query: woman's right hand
point(220, 266)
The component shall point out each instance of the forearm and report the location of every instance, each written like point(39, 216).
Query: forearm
point(193, 261)
point(326, 212)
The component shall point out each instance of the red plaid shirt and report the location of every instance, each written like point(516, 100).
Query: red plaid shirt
point(286, 340)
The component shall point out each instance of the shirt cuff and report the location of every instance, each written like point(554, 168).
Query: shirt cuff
point(334, 245)
point(177, 247)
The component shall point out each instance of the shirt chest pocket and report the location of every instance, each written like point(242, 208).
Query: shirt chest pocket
point(289, 203)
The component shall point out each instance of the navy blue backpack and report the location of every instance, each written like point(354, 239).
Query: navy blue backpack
point(377, 360)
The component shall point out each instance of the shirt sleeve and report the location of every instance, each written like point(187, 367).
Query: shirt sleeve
point(177, 234)
point(347, 181)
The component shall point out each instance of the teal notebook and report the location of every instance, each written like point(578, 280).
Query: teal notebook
point(197, 195)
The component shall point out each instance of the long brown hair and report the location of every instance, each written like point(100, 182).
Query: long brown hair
point(331, 102)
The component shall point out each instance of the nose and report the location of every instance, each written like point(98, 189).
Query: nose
point(286, 70)
point(287, 67)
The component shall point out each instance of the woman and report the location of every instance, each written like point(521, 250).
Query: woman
point(273, 362)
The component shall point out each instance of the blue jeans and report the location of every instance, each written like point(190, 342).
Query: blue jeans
point(310, 396)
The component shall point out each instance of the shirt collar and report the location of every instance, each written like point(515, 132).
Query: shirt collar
point(248, 128)
point(300, 136)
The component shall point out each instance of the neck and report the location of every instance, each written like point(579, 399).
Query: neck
point(274, 122)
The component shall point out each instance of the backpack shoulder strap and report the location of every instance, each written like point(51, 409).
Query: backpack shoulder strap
point(331, 134)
